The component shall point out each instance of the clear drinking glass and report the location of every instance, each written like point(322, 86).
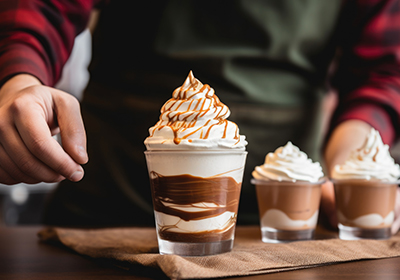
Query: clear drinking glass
point(365, 208)
point(288, 210)
point(195, 198)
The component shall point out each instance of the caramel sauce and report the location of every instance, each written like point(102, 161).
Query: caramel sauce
point(376, 154)
point(179, 124)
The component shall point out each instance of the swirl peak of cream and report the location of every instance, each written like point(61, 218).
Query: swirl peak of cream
point(288, 163)
point(194, 118)
point(371, 161)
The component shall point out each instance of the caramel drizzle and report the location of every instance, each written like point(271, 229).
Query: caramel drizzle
point(179, 124)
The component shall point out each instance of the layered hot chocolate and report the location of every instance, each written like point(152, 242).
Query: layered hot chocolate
point(195, 157)
point(367, 204)
point(288, 187)
point(365, 188)
point(288, 206)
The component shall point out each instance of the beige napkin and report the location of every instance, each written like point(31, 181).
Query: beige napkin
point(132, 248)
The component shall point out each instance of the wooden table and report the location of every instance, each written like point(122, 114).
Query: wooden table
point(23, 257)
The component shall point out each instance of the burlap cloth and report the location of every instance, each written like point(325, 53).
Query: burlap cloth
point(133, 248)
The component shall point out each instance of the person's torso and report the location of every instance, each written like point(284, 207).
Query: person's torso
point(274, 51)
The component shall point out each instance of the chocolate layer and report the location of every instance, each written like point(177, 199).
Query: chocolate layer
point(356, 198)
point(297, 201)
point(210, 236)
point(170, 192)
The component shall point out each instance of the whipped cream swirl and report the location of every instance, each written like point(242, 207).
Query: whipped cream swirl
point(194, 118)
point(288, 163)
point(371, 161)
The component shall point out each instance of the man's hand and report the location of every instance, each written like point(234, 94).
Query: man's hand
point(30, 114)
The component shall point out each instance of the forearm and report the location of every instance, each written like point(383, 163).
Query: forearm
point(36, 37)
point(367, 76)
point(367, 80)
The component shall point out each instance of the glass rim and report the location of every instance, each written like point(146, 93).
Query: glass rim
point(203, 152)
point(297, 182)
point(372, 180)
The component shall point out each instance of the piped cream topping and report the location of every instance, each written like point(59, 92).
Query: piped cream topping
point(288, 163)
point(194, 118)
point(371, 161)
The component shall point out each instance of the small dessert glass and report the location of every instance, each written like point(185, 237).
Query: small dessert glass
point(365, 208)
point(195, 198)
point(288, 210)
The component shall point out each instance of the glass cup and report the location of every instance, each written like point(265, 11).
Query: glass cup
point(365, 208)
point(288, 210)
point(195, 198)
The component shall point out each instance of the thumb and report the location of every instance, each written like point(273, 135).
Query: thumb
point(72, 130)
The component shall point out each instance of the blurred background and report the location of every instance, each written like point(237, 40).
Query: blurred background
point(23, 204)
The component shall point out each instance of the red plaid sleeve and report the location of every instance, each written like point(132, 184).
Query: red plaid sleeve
point(368, 75)
point(36, 37)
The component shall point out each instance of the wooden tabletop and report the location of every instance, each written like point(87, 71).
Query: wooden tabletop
point(22, 256)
